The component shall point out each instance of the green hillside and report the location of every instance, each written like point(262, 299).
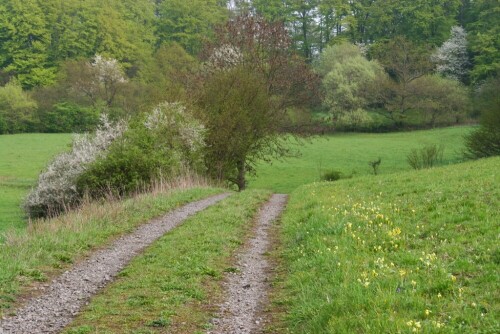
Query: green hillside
point(402, 253)
point(350, 154)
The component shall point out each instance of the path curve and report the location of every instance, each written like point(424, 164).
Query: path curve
point(66, 295)
point(246, 290)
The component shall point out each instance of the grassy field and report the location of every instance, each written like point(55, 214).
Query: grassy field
point(170, 287)
point(414, 252)
point(350, 153)
point(47, 247)
point(22, 157)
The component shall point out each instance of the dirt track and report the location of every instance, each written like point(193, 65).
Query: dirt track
point(66, 295)
point(246, 289)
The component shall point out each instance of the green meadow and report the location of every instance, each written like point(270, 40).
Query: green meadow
point(403, 251)
point(350, 153)
point(412, 252)
point(25, 155)
point(22, 157)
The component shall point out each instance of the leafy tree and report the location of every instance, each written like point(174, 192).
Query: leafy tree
point(303, 23)
point(126, 33)
point(404, 62)
point(17, 109)
point(332, 19)
point(272, 10)
point(188, 23)
point(348, 82)
point(73, 28)
point(169, 74)
point(439, 99)
point(483, 25)
point(452, 58)
point(99, 81)
point(24, 42)
point(485, 141)
point(69, 117)
point(36, 36)
point(249, 80)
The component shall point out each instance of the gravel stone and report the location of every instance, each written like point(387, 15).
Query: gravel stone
point(246, 289)
point(68, 293)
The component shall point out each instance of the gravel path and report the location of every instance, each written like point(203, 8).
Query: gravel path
point(65, 296)
point(247, 288)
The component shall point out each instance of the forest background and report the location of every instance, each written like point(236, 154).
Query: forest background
point(54, 56)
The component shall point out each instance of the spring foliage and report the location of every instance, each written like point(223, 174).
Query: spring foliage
point(56, 189)
point(164, 143)
point(347, 82)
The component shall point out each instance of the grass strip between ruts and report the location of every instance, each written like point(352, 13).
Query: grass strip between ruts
point(169, 288)
point(47, 247)
point(414, 252)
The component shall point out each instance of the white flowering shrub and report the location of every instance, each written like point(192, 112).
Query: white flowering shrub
point(107, 70)
point(173, 122)
point(225, 57)
point(164, 143)
point(451, 58)
point(56, 189)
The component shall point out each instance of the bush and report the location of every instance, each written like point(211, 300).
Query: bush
point(69, 117)
point(164, 143)
point(353, 120)
point(17, 109)
point(426, 157)
point(56, 189)
point(331, 175)
point(485, 142)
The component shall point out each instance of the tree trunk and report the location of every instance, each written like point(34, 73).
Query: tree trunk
point(241, 181)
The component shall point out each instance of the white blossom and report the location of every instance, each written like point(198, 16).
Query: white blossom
point(56, 187)
point(224, 57)
point(451, 58)
point(107, 69)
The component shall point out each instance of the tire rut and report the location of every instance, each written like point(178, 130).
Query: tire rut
point(67, 294)
point(246, 290)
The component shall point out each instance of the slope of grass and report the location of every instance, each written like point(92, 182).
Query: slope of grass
point(22, 157)
point(167, 289)
point(46, 247)
point(350, 154)
point(414, 252)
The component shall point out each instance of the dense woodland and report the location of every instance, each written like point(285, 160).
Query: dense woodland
point(172, 80)
point(46, 46)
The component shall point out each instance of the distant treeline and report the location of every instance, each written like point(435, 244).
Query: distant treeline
point(51, 50)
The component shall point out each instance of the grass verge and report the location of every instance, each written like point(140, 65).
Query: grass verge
point(413, 252)
point(169, 288)
point(46, 247)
